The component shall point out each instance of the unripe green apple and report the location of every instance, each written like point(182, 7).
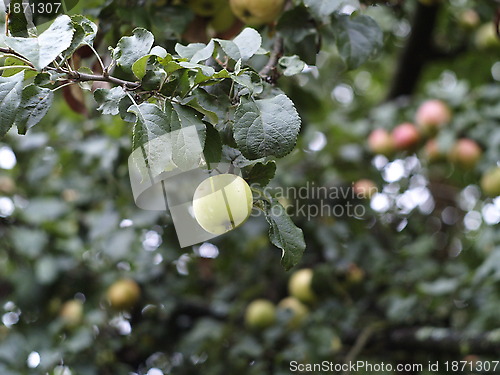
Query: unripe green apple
point(431, 115)
point(123, 294)
point(405, 136)
point(257, 12)
point(380, 142)
point(465, 153)
point(206, 8)
point(222, 202)
point(486, 36)
point(260, 313)
point(490, 182)
point(300, 285)
point(365, 188)
point(298, 309)
point(72, 312)
point(223, 19)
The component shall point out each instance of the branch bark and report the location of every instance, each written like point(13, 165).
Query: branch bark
point(417, 51)
point(81, 77)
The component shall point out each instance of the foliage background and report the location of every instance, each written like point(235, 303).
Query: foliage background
point(428, 247)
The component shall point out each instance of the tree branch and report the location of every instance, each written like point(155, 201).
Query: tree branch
point(80, 77)
point(269, 70)
point(416, 52)
point(432, 339)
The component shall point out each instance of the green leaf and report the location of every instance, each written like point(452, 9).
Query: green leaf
point(139, 68)
point(109, 100)
point(151, 126)
point(322, 9)
point(187, 52)
point(262, 173)
point(89, 27)
point(291, 65)
point(189, 139)
point(243, 46)
point(266, 127)
point(35, 104)
point(357, 39)
point(284, 234)
point(14, 61)
point(204, 53)
point(10, 100)
point(131, 48)
point(213, 146)
point(151, 123)
point(51, 43)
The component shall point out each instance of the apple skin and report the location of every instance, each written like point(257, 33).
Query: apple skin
point(405, 136)
point(206, 8)
point(431, 115)
point(220, 198)
point(7, 185)
point(465, 153)
point(432, 152)
point(380, 142)
point(123, 294)
point(486, 37)
point(365, 188)
point(469, 19)
point(490, 182)
point(72, 312)
point(223, 19)
point(257, 12)
point(298, 309)
point(300, 285)
point(260, 314)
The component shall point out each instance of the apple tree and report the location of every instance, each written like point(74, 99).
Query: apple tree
point(360, 141)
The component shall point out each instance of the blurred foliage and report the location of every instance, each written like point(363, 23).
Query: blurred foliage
point(424, 253)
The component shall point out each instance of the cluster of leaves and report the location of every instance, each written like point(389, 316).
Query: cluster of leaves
point(212, 86)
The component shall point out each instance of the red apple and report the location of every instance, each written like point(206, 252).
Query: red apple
point(431, 151)
point(465, 153)
point(405, 136)
point(380, 142)
point(432, 114)
point(364, 188)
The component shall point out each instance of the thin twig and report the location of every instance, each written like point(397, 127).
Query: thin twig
point(361, 342)
point(273, 59)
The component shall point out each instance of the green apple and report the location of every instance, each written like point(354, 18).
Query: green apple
point(257, 12)
point(298, 310)
point(260, 313)
point(72, 312)
point(486, 36)
point(300, 285)
point(206, 8)
point(123, 294)
point(223, 19)
point(490, 182)
point(222, 202)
